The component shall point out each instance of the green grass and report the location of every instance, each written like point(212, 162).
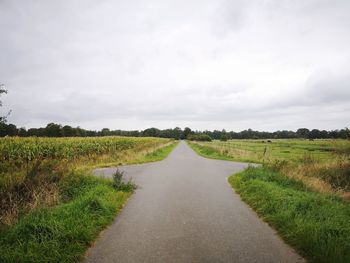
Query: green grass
point(160, 153)
point(207, 150)
point(64, 232)
point(317, 225)
point(260, 151)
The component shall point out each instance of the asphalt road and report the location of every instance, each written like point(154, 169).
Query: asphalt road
point(185, 211)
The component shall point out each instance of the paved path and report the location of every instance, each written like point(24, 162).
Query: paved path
point(185, 211)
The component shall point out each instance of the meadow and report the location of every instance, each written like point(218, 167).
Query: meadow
point(52, 207)
point(301, 189)
point(323, 165)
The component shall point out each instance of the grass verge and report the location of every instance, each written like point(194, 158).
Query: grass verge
point(160, 153)
point(317, 225)
point(63, 233)
point(212, 153)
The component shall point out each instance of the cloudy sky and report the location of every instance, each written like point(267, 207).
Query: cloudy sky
point(266, 65)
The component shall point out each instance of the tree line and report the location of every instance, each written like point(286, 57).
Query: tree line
point(57, 130)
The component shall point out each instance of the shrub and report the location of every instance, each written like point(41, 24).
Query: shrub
point(224, 138)
point(120, 184)
point(199, 137)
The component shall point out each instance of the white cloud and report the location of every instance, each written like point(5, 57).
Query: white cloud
point(203, 64)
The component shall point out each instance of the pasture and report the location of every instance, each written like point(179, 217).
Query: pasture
point(322, 164)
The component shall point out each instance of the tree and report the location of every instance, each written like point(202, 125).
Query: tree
point(151, 132)
point(185, 133)
point(53, 130)
point(68, 131)
point(303, 132)
point(314, 134)
point(105, 132)
point(224, 136)
point(347, 133)
point(22, 132)
point(3, 91)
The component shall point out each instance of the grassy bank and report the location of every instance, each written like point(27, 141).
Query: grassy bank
point(62, 233)
point(314, 223)
point(159, 154)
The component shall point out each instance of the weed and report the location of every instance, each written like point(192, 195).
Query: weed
point(120, 184)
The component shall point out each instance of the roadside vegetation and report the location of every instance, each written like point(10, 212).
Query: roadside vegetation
point(51, 209)
point(301, 189)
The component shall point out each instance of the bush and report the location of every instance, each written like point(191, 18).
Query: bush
point(119, 183)
point(224, 138)
point(199, 137)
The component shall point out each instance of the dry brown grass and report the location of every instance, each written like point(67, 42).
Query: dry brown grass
point(14, 203)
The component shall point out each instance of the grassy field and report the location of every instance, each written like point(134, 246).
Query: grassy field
point(302, 190)
point(323, 165)
point(51, 209)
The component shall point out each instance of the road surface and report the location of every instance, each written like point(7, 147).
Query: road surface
point(185, 211)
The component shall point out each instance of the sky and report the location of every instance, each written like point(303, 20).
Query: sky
point(266, 65)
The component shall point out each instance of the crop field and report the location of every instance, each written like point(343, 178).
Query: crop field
point(30, 168)
point(322, 164)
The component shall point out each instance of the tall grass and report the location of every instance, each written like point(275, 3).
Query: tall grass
point(63, 232)
point(314, 223)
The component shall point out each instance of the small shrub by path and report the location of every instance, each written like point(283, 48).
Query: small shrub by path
point(314, 223)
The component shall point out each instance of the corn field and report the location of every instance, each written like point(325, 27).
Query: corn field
point(23, 150)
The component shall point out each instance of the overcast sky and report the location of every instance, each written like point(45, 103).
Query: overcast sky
point(264, 65)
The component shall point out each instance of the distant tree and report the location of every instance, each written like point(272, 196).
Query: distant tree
point(199, 137)
point(347, 133)
point(68, 131)
point(151, 132)
point(53, 130)
point(324, 134)
point(22, 132)
point(3, 119)
point(314, 134)
point(343, 133)
point(177, 132)
point(8, 129)
point(303, 133)
point(223, 136)
point(186, 132)
point(105, 132)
